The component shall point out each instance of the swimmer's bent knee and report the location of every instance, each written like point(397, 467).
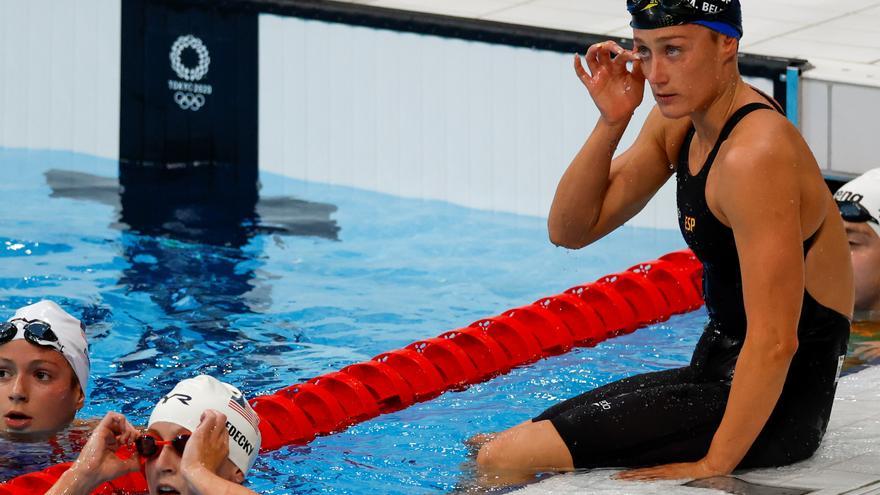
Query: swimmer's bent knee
point(533, 446)
point(495, 454)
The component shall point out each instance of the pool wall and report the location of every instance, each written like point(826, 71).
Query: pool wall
point(839, 122)
point(60, 84)
point(483, 125)
point(483, 115)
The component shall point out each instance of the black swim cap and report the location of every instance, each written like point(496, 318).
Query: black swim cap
point(724, 16)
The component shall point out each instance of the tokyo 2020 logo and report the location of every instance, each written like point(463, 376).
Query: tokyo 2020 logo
point(188, 94)
point(184, 72)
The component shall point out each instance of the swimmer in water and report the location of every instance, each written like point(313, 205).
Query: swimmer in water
point(44, 372)
point(859, 204)
point(754, 208)
point(203, 438)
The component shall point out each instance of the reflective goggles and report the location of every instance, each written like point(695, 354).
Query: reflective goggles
point(150, 446)
point(853, 211)
point(36, 332)
point(689, 8)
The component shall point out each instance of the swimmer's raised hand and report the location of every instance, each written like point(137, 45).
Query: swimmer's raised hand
point(206, 452)
point(98, 462)
point(208, 446)
point(616, 90)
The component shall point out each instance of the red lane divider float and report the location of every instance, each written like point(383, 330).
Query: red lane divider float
point(585, 315)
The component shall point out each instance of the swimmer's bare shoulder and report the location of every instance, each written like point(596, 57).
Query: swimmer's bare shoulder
point(767, 133)
point(762, 159)
point(767, 147)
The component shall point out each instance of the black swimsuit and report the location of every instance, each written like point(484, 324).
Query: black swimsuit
point(671, 416)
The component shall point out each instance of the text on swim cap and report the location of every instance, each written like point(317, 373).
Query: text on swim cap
point(842, 195)
point(239, 438)
point(183, 398)
point(709, 7)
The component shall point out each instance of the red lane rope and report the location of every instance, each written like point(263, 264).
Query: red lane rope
point(585, 315)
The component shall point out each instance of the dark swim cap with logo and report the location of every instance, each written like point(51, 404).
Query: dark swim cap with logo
point(723, 16)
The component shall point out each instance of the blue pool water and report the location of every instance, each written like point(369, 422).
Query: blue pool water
point(283, 308)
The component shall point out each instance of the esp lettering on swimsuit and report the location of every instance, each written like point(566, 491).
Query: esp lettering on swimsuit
point(690, 223)
point(239, 439)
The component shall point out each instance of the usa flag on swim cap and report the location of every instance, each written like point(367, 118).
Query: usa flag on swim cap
point(245, 411)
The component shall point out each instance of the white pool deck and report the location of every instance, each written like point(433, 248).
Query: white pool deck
point(840, 38)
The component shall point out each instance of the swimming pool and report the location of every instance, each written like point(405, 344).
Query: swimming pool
point(379, 273)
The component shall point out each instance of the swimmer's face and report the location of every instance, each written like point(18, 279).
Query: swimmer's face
point(163, 471)
point(39, 394)
point(864, 245)
point(684, 66)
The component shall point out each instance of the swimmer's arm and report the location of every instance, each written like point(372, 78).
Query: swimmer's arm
point(70, 484)
point(597, 194)
point(761, 199)
point(97, 462)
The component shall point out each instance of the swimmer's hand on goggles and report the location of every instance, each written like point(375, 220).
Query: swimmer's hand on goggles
point(616, 88)
point(104, 457)
point(207, 450)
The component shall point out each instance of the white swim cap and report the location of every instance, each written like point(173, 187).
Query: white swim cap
point(862, 191)
point(70, 332)
point(185, 404)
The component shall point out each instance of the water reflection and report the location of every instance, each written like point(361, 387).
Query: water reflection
point(177, 211)
point(18, 458)
point(193, 256)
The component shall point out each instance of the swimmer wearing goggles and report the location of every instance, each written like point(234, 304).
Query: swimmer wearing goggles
point(202, 439)
point(753, 207)
point(44, 372)
point(859, 203)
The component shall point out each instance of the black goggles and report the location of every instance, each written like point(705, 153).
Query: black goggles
point(149, 445)
point(853, 211)
point(699, 8)
point(36, 332)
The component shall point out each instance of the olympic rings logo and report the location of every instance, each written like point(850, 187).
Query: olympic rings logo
point(189, 101)
point(184, 72)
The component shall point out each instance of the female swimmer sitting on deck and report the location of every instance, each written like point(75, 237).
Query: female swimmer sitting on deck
point(754, 208)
